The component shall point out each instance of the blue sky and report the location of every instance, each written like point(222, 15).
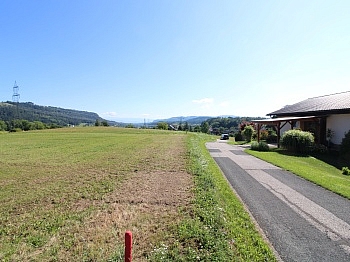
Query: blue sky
point(158, 59)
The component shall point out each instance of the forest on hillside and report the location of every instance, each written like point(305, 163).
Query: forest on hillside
point(49, 115)
point(229, 125)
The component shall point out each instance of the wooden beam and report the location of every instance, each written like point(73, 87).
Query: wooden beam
point(278, 134)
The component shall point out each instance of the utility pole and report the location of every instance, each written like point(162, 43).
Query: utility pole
point(15, 98)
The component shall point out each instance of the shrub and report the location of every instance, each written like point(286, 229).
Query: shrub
point(264, 134)
point(239, 137)
point(261, 146)
point(244, 124)
point(2, 125)
point(14, 130)
point(269, 135)
point(272, 136)
point(297, 141)
point(162, 125)
point(318, 148)
point(345, 145)
point(346, 171)
point(254, 146)
point(248, 133)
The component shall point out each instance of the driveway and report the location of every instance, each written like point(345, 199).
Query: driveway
point(302, 221)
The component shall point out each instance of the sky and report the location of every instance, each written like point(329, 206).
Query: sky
point(144, 60)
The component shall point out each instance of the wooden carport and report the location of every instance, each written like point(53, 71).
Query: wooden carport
point(280, 123)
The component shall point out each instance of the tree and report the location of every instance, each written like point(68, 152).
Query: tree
point(97, 122)
point(205, 127)
point(248, 132)
point(26, 125)
point(197, 129)
point(162, 125)
point(104, 123)
point(186, 128)
point(244, 124)
point(38, 125)
point(3, 125)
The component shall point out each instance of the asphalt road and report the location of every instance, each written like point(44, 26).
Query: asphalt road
point(302, 221)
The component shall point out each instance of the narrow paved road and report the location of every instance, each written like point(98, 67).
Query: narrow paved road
point(303, 221)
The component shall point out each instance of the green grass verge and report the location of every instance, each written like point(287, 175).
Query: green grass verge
point(310, 168)
point(217, 228)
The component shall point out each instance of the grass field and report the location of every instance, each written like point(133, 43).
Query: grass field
point(70, 194)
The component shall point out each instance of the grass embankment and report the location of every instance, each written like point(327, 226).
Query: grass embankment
point(310, 168)
point(220, 212)
point(70, 194)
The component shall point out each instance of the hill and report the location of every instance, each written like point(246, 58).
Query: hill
point(192, 120)
point(47, 114)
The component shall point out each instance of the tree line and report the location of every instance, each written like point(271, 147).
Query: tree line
point(24, 125)
point(216, 126)
point(46, 114)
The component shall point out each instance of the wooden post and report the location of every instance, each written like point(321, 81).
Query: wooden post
point(128, 246)
point(278, 134)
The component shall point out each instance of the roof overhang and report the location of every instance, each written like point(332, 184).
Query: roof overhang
point(283, 119)
point(280, 122)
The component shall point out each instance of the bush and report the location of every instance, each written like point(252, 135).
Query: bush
point(297, 141)
point(248, 133)
point(272, 138)
point(345, 146)
point(319, 149)
point(2, 125)
point(162, 125)
point(239, 137)
point(346, 171)
point(261, 146)
point(264, 134)
point(14, 130)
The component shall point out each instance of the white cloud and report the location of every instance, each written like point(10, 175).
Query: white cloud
point(225, 104)
point(204, 101)
point(110, 114)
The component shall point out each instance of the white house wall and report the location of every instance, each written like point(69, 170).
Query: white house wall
point(340, 124)
point(288, 127)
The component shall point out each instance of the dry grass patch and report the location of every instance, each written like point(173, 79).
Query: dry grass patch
point(146, 204)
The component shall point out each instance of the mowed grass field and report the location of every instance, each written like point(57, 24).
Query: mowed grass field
point(70, 194)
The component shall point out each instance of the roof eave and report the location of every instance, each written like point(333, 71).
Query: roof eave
point(310, 113)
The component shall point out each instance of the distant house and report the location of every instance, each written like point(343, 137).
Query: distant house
point(317, 115)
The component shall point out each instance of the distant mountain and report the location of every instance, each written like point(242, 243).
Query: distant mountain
point(47, 114)
point(226, 116)
point(192, 120)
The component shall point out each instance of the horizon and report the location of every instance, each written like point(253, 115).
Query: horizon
point(156, 60)
point(131, 120)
